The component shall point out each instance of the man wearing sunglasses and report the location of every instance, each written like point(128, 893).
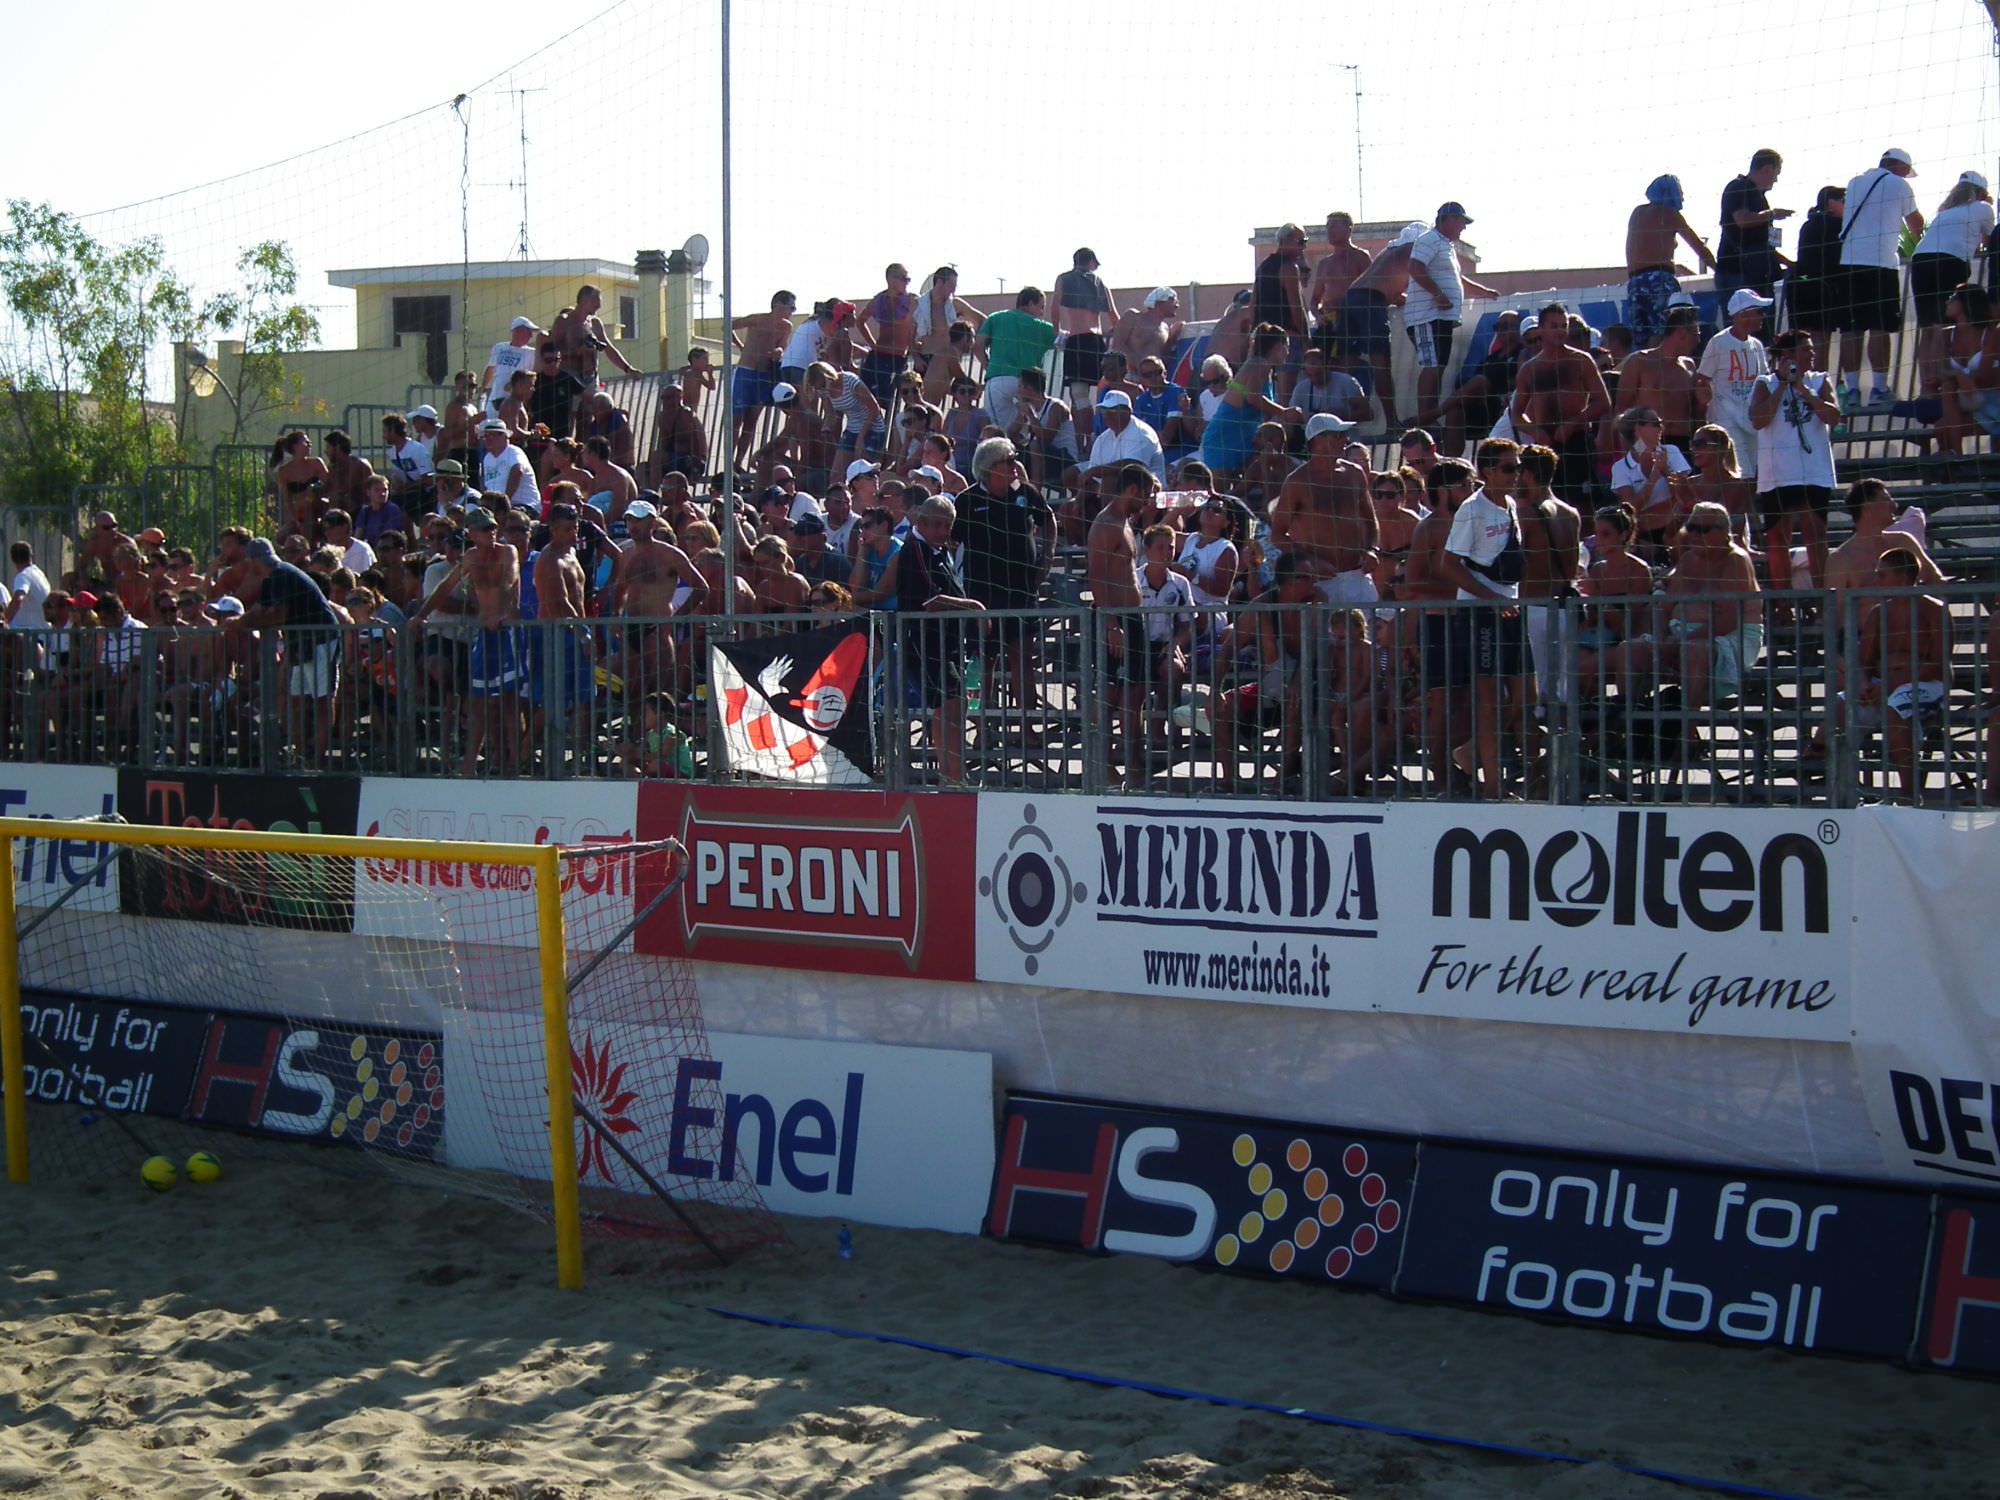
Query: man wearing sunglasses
point(1483, 556)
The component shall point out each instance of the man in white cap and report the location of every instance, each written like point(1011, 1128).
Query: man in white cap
point(505, 468)
point(1880, 202)
point(1364, 315)
point(517, 353)
point(657, 581)
point(1123, 437)
point(1729, 370)
point(1324, 513)
point(1437, 305)
point(410, 465)
point(1150, 329)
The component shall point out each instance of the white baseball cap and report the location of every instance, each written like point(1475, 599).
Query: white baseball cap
point(427, 412)
point(1160, 294)
point(1743, 299)
point(641, 510)
point(520, 323)
point(1977, 179)
point(1898, 154)
point(784, 393)
point(1409, 234)
point(1114, 401)
point(1326, 421)
point(931, 473)
point(859, 467)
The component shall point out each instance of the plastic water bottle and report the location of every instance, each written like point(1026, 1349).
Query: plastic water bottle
point(846, 1243)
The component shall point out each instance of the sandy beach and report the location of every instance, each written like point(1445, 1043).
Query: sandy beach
point(287, 1332)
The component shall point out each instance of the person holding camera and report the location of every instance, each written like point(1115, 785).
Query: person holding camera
point(1794, 410)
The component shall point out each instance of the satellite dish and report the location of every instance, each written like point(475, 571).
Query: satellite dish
point(696, 251)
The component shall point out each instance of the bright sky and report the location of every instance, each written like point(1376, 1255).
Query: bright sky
point(998, 137)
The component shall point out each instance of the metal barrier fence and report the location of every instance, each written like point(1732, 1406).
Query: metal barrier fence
point(1799, 699)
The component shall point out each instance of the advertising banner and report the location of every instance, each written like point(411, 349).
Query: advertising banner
point(495, 903)
point(1927, 948)
point(111, 1055)
point(1273, 1200)
point(1750, 1260)
point(1725, 923)
point(851, 882)
point(899, 1136)
point(306, 894)
point(369, 1087)
point(1961, 1315)
point(45, 868)
point(365, 1086)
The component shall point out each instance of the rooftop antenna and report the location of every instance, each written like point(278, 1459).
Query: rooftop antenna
point(523, 250)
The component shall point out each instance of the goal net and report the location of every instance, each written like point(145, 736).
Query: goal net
point(429, 1010)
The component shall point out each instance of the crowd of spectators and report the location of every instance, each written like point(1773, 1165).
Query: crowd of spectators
point(907, 454)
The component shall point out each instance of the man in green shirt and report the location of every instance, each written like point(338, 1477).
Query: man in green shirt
point(1012, 342)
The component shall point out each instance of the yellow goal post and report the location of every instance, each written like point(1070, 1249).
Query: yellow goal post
point(540, 863)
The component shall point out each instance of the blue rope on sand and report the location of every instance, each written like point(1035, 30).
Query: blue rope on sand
point(1304, 1414)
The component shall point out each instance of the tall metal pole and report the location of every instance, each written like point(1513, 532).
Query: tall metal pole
point(728, 524)
point(1360, 191)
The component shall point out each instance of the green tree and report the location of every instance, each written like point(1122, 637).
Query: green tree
point(87, 317)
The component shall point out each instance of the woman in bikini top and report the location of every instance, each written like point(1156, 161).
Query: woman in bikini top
point(300, 478)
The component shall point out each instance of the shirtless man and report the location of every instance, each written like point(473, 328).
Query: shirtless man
point(1551, 542)
point(1324, 513)
point(1712, 641)
point(1150, 330)
point(607, 486)
point(762, 341)
point(1113, 554)
point(579, 332)
point(1447, 655)
point(1853, 564)
point(494, 569)
point(655, 573)
point(1337, 270)
point(1651, 277)
point(458, 433)
point(680, 442)
point(562, 675)
point(1662, 378)
point(225, 574)
point(1364, 315)
point(1230, 338)
point(94, 558)
point(346, 476)
point(1905, 648)
point(1559, 393)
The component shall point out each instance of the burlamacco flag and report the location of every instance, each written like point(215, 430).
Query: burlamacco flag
point(796, 707)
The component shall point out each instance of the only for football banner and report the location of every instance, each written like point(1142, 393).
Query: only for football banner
point(796, 707)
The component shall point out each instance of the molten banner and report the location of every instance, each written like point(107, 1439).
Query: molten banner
point(795, 707)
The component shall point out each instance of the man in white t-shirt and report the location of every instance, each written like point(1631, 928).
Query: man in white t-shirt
point(1643, 475)
point(1880, 202)
point(518, 353)
point(30, 591)
point(1122, 437)
point(1482, 556)
point(1730, 365)
point(504, 469)
point(1436, 302)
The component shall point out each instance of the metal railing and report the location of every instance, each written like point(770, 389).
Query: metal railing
point(1561, 703)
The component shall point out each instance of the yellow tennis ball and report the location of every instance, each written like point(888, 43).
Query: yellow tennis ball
point(204, 1166)
point(158, 1174)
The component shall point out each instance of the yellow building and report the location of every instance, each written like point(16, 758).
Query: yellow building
point(415, 325)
